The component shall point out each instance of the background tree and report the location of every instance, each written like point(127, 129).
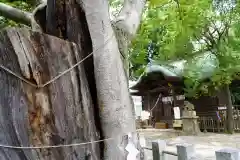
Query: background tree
point(188, 29)
point(182, 30)
point(172, 26)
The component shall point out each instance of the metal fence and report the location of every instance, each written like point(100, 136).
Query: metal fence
point(187, 152)
point(158, 151)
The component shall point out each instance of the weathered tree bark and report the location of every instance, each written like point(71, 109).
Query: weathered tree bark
point(60, 113)
point(116, 104)
point(74, 28)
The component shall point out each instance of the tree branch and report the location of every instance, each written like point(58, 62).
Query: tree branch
point(129, 17)
point(38, 21)
point(15, 14)
point(216, 28)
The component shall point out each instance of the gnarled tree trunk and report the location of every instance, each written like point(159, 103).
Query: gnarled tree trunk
point(60, 113)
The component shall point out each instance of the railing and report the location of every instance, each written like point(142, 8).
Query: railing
point(211, 124)
point(209, 121)
point(187, 152)
point(170, 153)
point(158, 150)
point(163, 152)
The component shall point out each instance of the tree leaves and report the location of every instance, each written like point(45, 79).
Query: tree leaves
point(170, 26)
point(181, 29)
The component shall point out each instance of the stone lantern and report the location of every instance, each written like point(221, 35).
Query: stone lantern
point(189, 119)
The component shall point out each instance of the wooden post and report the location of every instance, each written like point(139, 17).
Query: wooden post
point(227, 154)
point(174, 104)
point(158, 147)
point(218, 125)
point(185, 151)
point(238, 120)
point(174, 97)
point(149, 107)
point(212, 123)
point(204, 125)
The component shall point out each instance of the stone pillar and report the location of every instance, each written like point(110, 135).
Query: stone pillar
point(227, 154)
point(158, 147)
point(185, 151)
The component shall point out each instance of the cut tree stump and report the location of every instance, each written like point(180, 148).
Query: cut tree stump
point(60, 113)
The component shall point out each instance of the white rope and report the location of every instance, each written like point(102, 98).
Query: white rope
point(19, 77)
point(61, 145)
point(53, 146)
point(61, 74)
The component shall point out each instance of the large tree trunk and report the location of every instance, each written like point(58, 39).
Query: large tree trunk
point(110, 90)
point(229, 106)
point(60, 113)
point(71, 25)
point(115, 104)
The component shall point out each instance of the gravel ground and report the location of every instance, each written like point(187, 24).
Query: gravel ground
point(205, 144)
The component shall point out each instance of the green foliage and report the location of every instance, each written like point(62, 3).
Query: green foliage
point(176, 26)
point(171, 27)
